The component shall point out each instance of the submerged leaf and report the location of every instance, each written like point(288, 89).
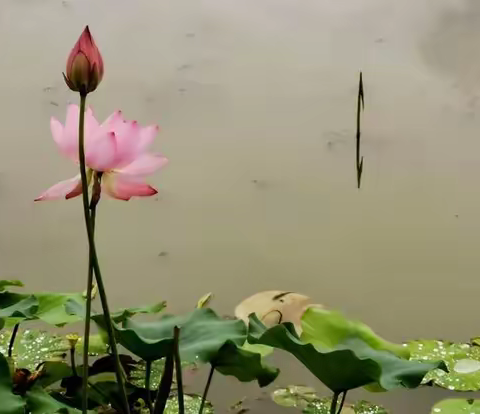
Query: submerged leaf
point(322, 406)
point(457, 406)
point(296, 396)
point(351, 364)
point(365, 407)
point(462, 360)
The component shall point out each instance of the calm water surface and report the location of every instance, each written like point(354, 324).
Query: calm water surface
point(256, 100)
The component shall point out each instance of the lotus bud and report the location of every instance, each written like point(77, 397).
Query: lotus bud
point(84, 65)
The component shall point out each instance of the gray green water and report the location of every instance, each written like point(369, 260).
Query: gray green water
point(256, 100)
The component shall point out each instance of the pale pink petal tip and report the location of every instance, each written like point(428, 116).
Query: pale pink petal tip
point(124, 188)
point(145, 164)
point(63, 190)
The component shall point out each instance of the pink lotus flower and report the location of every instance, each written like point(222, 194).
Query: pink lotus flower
point(117, 149)
point(84, 65)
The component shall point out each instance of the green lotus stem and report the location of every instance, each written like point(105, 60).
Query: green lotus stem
point(360, 106)
point(72, 361)
point(12, 340)
point(178, 370)
point(165, 385)
point(333, 405)
point(94, 258)
point(342, 402)
point(148, 372)
point(207, 387)
point(88, 311)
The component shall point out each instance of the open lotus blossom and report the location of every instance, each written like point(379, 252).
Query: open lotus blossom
point(117, 149)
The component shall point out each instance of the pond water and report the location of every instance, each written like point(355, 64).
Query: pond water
point(256, 102)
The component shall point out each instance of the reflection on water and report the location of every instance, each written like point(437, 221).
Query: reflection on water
point(256, 100)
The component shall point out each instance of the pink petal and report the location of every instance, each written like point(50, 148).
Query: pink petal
point(64, 189)
point(147, 135)
point(101, 152)
point(113, 120)
point(91, 124)
point(145, 164)
point(67, 138)
point(128, 137)
point(67, 147)
point(70, 132)
point(124, 187)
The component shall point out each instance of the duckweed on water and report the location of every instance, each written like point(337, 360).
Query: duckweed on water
point(138, 375)
point(305, 398)
point(322, 406)
point(192, 405)
point(457, 406)
point(32, 347)
point(462, 360)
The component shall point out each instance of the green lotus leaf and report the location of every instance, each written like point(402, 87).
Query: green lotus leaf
point(351, 364)
point(263, 350)
point(53, 371)
point(202, 334)
point(17, 305)
point(244, 365)
point(40, 401)
point(4, 284)
point(96, 345)
point(48, 307)
point(327, 329)
point(77, 308)
point(10, 403)
point(123, 314)
point(230, 360)
point(52, 307)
